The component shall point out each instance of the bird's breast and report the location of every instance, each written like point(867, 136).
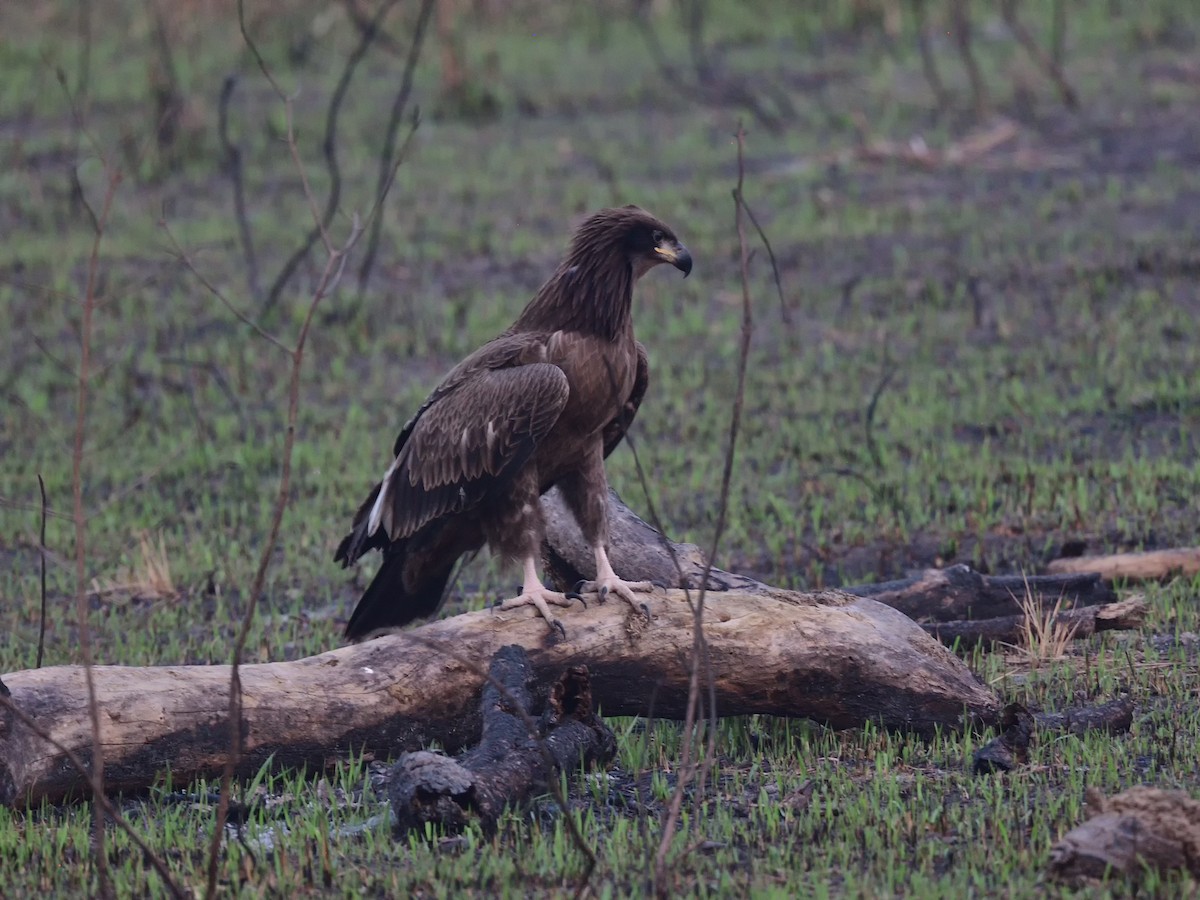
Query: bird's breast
point(600, 374)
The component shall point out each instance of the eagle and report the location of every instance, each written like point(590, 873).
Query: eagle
point(542, 404)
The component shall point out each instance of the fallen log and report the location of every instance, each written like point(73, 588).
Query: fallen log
point(1152, 565)
point(1140, 828)
point(1081, 623)
point(838, 659)
point(510, 765)
point(640, 551)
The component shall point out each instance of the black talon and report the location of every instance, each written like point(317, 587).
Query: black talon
point(573, 595)
point(646, 610)
point(580, 585)
point(603, 592)
point(660, 585)
point(554, 623)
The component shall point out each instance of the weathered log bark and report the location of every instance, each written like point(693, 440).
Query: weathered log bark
point(1149, 566)
point(511, 765)
point(640, 551)
point(838, 659)
point(1141, 828)
point(1084, 622)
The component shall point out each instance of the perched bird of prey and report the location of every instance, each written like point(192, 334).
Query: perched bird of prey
point(541, 405)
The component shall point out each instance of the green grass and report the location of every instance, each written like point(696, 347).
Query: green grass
point(1041, 388)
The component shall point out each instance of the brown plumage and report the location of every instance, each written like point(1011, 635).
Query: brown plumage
point(542, 404)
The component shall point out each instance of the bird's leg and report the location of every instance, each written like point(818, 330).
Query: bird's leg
point(607, 583)
point(535, 594)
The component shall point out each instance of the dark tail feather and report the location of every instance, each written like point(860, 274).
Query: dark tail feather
point(387, 603)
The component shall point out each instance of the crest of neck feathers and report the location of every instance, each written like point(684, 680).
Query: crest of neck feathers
point(592, 290)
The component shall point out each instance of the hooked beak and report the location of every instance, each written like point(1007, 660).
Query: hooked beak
point(677, 255)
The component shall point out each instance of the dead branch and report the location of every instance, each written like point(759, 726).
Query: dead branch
point(1142, 828)
point(320, 228)
point(928, 62)
point(959, 592)
point(510, 765)
point(838, 659)
point(960, 26)
point(1151, 565)
point(232, 165)
point(1049, 63)
point(1080, 623)
point(389, 156)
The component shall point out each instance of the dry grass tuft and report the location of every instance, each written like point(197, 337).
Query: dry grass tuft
point(147, 579)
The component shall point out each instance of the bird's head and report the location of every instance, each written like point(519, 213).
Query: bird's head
point(644, 240)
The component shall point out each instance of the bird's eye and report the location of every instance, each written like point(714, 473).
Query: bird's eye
point(657, 237)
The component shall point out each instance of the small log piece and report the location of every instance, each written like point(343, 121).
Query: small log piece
point(1125, 615)
point(510, 766)
point(1151, 565)
point(959, 592)
point(1141, 827)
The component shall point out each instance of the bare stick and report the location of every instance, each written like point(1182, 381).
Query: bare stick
point(1058, 33)
point(334, 267)
point(1048, 63)
point(233, 168)
point(218, 293)
point(42, 546)
point(961, 27)
point(928, 61)
point(699, 656)
point(81, 604)
point(389, 158)
point(324, 218)
point(762, 236)
point(82, 78)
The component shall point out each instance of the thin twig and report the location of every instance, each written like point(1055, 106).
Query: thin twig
point(42, 544)
point(1058, 33)
point(960, 21)
point(217, 292)
point(321, 218)
point(762, 236)
point(928, 60)
point(156, 861)
point(1048, 63)
point(334, 267)
point(389, 158)
point(889, 372)
point(81, 604)
point(699, 656)
point(233, 168)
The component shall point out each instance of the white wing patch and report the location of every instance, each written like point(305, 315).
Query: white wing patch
point(381, 512)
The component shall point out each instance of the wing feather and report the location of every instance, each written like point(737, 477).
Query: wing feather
point(470, 437)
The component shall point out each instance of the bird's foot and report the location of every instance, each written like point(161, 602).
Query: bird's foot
point(542, 599)
point(626, 590)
